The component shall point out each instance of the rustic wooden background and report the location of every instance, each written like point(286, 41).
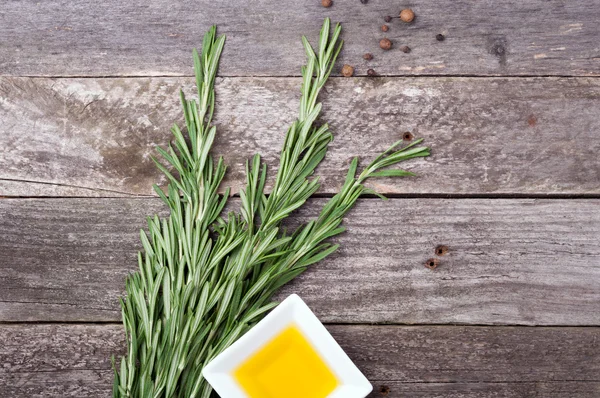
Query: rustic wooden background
point(509, 102)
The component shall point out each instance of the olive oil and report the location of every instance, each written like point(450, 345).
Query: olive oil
point(286, 367)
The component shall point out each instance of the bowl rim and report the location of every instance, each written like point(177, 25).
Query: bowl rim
point(291, 311)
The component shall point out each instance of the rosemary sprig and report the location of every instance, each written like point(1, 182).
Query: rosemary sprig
point(205, 279)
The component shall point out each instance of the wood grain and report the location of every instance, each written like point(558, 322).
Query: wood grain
point(88, 89)
point(559, 389)
point(74, 360)
point(95, 137)
point(525, 261)
point(155, 37)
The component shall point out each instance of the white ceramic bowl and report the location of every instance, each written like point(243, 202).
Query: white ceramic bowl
point(219, 372)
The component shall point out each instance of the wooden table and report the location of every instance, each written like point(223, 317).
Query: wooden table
point(509, 102)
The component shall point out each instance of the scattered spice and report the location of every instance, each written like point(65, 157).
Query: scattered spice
point(386, 43)
point(407, 15)
point(405, 49)
point(407, 136)
point(387, 18)
point(385, 28)
point(440, 37)
point(371, 72)
point(326, 3)
point(364, 1)
point(347, 70)
point(384, 390)
point(368, 56)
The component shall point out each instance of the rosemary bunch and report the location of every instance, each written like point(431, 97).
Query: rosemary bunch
point(204, 279)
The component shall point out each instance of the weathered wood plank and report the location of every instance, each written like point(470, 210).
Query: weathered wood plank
point(559, 389)
point(95, 137)
point(73, 360)
point(141, 37)
point(533, 262)
point(58, 360)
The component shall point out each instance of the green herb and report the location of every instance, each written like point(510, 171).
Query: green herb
point(204, 279)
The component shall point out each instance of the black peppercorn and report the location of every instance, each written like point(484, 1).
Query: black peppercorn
point(440, 37)
point(368, 56)
point(405, 49)
point(364, 1)
point(371, 72)
point(387, 18)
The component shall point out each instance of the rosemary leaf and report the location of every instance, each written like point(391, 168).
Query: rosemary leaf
point(206, 278)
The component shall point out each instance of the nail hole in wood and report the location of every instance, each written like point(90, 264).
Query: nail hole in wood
point(441, 250)
point(432, 263)
point(532, 121)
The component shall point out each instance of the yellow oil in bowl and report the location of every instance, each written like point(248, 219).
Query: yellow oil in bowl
point(286, 367)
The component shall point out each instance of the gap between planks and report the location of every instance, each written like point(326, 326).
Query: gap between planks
point(373, 325)
point(416, 76)
point(326, 195)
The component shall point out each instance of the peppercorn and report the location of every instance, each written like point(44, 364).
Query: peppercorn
point(387, 18)
point(364, 1)
point(440, 37)
point(385, 28)
point(368, 56)
point(326, 3)
point(347, 70)
point(407, 15)
point(405, 49)
point(371, 72)
point(386, 44)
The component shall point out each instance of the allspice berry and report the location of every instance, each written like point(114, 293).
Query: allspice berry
point(386, 44)
point(405, 49)
point(407, 15)
point(371, 72)
point(347, 70)
point(385, 28)
point(368, 56)
point(326, 3)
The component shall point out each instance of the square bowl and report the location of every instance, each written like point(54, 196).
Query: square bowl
point(292, 311)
